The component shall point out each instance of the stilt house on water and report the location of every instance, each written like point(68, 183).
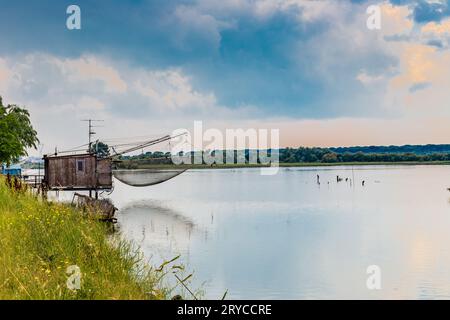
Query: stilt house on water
point(77, 172)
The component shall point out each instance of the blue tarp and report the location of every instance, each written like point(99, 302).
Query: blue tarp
point(14, 170)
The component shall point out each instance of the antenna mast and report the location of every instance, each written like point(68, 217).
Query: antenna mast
point(91, 132)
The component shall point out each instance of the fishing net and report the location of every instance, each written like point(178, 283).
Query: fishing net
point(145, 177)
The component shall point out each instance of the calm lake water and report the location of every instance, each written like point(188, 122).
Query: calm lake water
point(284, 236)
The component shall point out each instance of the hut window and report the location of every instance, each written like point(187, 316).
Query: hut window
point(80, 165)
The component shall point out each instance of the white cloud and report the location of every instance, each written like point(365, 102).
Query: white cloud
point(204, 26)
point(307, 10)
point(89, 80)
point(5, 74)
point(437, 28)
point(396, 19)
point(368, 79)
point(133, 100)
point(90, 68)
point(173, 90)
point(137, 101)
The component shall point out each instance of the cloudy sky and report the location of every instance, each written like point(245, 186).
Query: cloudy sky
point(311, 68)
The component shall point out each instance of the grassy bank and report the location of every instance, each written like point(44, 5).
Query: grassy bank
point(40, 240)
point(295, 164)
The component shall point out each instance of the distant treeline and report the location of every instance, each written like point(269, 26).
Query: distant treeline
point(148, 158)
point(331, 155)
point(415, 149)
point(328, 155)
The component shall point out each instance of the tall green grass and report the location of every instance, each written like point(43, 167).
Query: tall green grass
point(40, 240)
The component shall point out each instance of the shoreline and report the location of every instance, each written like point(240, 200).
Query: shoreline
point(289, 165)
point(54, 251)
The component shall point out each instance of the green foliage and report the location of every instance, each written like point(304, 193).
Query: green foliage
point(429, 153)
point(336, 155)
point(148, 158)
point(415, 149)
point(101, 149)
point(40, 240)
point(16, 133)
point(330, 157)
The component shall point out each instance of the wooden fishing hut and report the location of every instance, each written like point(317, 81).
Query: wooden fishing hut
point(77, 172)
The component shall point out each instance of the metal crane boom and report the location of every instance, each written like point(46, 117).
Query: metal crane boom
point(148, 143)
